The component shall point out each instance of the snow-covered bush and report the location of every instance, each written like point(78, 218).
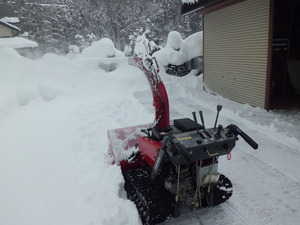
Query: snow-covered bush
point(180, 56)
point(105, 50)
point(81, 42)
point(171, 53)
point(142, 43)
point(92, 37)
point(74, 49)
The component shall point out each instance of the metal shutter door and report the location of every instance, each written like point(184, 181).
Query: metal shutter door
point(236, 50)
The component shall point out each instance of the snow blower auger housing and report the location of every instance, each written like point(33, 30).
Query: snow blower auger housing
point(174, 164)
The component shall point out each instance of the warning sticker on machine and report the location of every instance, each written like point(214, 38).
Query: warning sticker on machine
point(183, 138)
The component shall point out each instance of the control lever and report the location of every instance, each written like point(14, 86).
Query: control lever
point(202, 119)
point(219, 107)
point(237, 131)
point(195, 119)
point(218, 134)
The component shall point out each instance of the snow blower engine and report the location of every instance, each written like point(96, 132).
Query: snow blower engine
point(174, 164)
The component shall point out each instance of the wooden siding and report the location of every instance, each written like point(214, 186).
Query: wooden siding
point(236, 51)
point(5, 31)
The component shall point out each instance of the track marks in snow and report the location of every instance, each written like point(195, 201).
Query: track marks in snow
point(222, 214)
point(244, 219)
point(262, 191)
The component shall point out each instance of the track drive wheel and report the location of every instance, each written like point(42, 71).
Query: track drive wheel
point(219, 193)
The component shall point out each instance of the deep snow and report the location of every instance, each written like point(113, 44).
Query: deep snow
point(17, 42)
point(54, 169)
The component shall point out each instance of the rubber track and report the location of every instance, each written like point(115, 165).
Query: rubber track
point(222, 191)
point(153, 204)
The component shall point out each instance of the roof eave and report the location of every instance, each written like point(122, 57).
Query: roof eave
point(202, 8)
point(12, 27)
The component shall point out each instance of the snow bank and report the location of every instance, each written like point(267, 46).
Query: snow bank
point(53, 119)
point(17, 42)
point(192, 46)
point(16, 88)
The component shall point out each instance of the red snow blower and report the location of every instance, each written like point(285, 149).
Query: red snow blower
point(174, 164)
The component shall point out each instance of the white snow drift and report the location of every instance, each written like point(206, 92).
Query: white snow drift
point(54, 169)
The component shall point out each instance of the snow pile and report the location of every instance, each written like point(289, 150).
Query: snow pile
point(192, 46)
point(15, 90)
point(104, 52)
point(104, 48)
point(171, 53)
point(180, 56)
point(54, 167)
point(178, 51)
point(17, 42)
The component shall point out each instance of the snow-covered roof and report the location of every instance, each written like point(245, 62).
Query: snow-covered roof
point(17, 42)
point(9, 25)
point(189, 6)
point(189, 1)
point(10, 19)
point(49, 5)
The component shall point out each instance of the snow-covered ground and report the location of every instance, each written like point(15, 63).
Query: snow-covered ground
point(54, 169)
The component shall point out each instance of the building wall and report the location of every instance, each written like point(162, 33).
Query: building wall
point(5, 31)
point(236, 51)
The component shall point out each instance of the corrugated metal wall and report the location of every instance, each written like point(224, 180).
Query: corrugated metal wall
point(235, 51)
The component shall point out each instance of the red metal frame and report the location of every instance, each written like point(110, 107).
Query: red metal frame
point(126, 138)
point(159, 93)
point(149, 149)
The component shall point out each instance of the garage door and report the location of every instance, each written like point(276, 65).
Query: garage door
point(236, 50)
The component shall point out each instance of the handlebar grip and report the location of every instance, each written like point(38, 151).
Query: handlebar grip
point(248, 139)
